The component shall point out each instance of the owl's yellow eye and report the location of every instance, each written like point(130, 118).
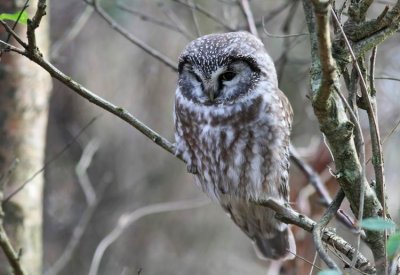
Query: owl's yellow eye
point(227, 76)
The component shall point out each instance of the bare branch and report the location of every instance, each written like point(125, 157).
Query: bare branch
point(128, 219)
point(142, 45)
point(206, 13)
point(81, 170)
point(387, 78)
point(72, 32)
point(11, 32)
point(248, 14)
point(289, 216)
point(328, 77)
point(34, 24)
point(319, 186)
point(4, 178)
point(5, 47)
point(5, 243)
point(151, 19)
point(175, 20)
point(50, 161)
point(11, 254)
point(195, 19)
point(92, 200)
point(323, 222)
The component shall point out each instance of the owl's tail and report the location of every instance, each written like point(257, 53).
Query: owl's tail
point(278, 245)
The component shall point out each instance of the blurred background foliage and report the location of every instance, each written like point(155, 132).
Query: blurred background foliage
point(196, 241)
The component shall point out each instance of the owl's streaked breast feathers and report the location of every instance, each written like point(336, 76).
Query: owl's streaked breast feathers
point(232, 126)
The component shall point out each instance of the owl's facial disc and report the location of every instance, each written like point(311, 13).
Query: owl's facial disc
point(220, 84)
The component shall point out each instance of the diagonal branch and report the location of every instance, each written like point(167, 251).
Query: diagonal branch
point(202, 10)
point(289, 216)
point(248, 14)
point(319, 186)
point(323, 222)
point(141, 44)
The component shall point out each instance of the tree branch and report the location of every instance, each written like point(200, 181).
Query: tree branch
point(248, 14)
point(5, 243)
point(323, 222)
point(139, 43)
point(335, 125)
point(206, 13)
point(319, 186)
point(128, 219)
point(289, 216)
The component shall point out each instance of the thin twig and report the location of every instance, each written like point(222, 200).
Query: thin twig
point(388, 78)
point(139, 43)
point(145, 17)
point(80, 228)
point(11, 32)
point(5, 177)
point(319, 186)
point(195, 19)
point(287, 43)
point(71, 33)
point(312, 266)
point(15, 24)
point(10, 253)
point(5, 47)
point(33, 24)
point(268, 34)
point(203, 11)
point(128, 219)
point(248, 14)
point(5, 243)
point(81, 170)
point(305, 260)
point(323, 222)
point(170, 14)
point(51, 160)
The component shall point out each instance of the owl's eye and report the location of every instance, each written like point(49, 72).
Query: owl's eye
point(198, 79)
point(227, 76)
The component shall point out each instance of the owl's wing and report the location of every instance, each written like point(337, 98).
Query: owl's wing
point(287, 109)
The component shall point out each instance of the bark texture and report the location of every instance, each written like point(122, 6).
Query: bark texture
point(24, 94)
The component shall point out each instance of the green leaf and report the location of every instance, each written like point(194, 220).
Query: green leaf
point(393, 244)
point(377, 224)
point(329, 272)
point(23, 17)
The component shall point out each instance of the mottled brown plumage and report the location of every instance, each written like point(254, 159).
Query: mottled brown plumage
point(232, 127)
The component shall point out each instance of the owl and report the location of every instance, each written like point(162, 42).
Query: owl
point(232, 127)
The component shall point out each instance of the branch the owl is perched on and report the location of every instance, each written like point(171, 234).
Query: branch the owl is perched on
point(232, 127)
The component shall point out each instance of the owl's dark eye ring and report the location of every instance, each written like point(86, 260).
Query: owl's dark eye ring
point(227, 76)
point(198, 79)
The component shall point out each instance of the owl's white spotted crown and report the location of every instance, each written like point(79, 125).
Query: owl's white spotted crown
point(214, 50)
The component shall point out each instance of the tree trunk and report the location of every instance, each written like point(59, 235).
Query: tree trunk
point(24, 94)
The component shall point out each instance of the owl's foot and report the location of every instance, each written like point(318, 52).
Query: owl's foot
point(191, 169)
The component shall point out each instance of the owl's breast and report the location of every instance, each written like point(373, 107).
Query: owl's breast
point(232, 147)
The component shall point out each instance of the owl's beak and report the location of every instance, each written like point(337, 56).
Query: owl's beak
point(211, 91)
point(211, 94)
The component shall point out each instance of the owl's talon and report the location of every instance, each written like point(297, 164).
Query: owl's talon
point(191, 169)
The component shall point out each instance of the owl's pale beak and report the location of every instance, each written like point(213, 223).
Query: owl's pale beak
point(211, 94)
point(211, 91)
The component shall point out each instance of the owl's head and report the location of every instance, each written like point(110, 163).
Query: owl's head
point(223, 68)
